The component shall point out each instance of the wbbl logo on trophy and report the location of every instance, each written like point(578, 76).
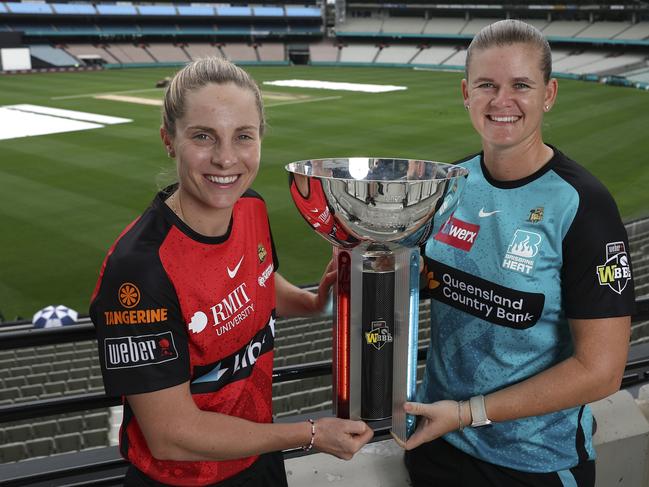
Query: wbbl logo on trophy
point(379, 336)
point(616, 271)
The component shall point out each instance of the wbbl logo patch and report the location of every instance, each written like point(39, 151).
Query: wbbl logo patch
point(616, 271)
point(379, 336)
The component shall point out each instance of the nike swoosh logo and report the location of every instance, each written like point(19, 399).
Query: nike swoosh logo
point(483, 214)
point(234, 271)
point(315, 210)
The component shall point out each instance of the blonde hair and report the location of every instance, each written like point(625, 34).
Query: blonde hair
point(198, 74)
point(507, 32)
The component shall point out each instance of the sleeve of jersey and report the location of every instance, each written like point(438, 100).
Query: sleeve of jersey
point(140, 331)
point(596, 274)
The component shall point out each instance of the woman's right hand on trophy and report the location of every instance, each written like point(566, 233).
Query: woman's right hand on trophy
point(341, 438)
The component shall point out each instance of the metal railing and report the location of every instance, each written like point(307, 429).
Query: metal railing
point(637, 371)
point(104, 466)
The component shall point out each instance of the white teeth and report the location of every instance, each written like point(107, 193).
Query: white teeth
point(222, 179)
point(504, 119)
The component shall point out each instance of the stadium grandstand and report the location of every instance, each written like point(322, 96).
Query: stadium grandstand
point(590, 40)
point(57, 426)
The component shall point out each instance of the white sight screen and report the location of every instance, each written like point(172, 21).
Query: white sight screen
point(15, 58)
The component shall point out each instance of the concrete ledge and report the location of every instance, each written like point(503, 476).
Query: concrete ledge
point(621, 442)
point(378, 464)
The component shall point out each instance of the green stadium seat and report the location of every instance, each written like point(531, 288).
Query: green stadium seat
point(55, 387)
point(94, 421)
point(77, 386)
point(19, 371)
point(11, 393)
point(72, 424)
point(25, 352)
point(42, 367)
point(68, 442)
point(47, 428)
point(57, 375)
point(95, 438)
point(32, 390)
point(38, 378)
point(40, 447)
point(15, 381)
point(18, 433)
point(12, 452)
point(79, 373)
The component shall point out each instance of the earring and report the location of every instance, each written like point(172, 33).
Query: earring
point(547, 108)
point(466, 107)
point(170, 153)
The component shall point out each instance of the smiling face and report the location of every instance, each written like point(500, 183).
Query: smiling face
point(217, 145)
point(506, 96)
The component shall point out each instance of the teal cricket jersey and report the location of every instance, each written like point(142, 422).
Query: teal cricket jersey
point(515, 261)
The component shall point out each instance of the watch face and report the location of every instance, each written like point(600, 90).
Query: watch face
point(480, 424)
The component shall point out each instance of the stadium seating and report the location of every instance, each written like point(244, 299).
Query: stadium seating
point(52, 56)
point(370, 25)
point(271, 52)
point(438, 26)
point(397, 54)
point(404, 25)
point(238, 51)
point(323, 51)
point(636, 31)
point(166, 53)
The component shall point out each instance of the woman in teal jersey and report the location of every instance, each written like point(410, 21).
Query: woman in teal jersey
point(531, 315)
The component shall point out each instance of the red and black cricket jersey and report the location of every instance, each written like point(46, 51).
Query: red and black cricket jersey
point(172, 306)
point(315, 210)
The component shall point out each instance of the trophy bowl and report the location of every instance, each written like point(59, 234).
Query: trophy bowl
point(383, 200)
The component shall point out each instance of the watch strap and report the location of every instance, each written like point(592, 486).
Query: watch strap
point(478, 412)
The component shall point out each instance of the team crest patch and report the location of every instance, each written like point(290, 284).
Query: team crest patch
point(261, 253)
point(522, 251)
point(379, 336)
point(536, 215)
point(616, 271)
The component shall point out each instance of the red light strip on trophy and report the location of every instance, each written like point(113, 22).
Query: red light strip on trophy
point(341, 340)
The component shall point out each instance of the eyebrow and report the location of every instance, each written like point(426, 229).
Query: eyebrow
point(211, 130)
point(521, 79)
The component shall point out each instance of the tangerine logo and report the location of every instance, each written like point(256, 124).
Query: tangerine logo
point(129, 295)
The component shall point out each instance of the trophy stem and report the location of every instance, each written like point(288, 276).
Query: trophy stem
point(378, 331)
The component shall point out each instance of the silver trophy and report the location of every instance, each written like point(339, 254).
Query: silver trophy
point(376, 212)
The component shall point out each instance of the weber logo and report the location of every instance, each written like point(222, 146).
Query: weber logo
point(139, 351)
point(458, 234)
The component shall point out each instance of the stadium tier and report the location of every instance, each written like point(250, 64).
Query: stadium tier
point(586, 43)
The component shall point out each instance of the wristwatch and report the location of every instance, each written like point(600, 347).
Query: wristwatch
point(478, 412)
